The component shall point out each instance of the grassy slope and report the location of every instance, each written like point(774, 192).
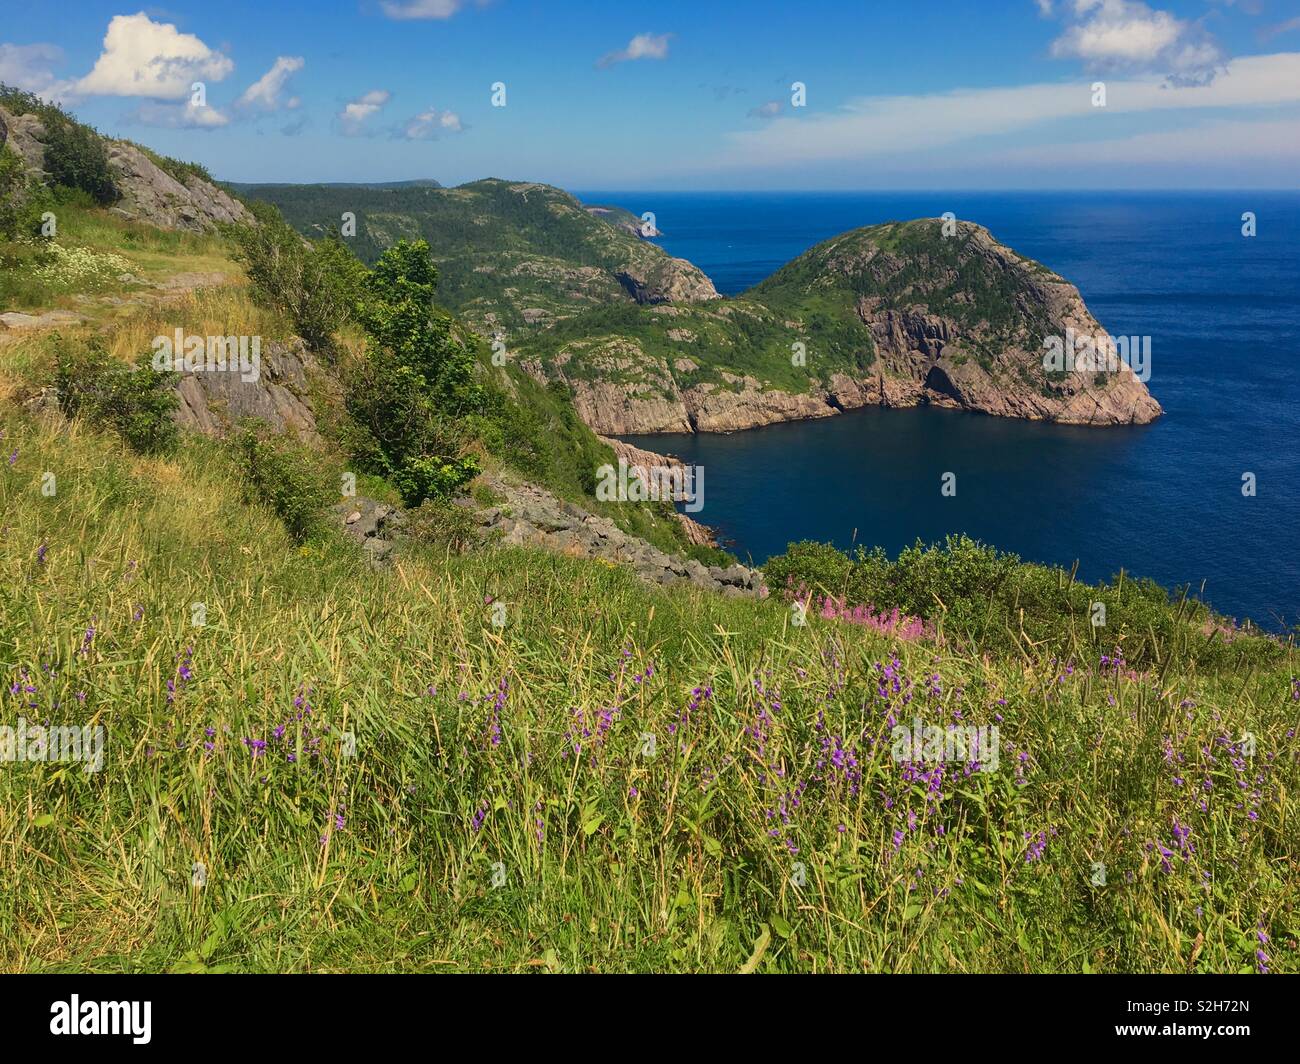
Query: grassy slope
point(663, 863)
point(551, 446)
point(33, 277)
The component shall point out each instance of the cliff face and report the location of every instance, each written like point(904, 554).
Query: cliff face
point(896, 315)
point(148, 193)
point(948, 359)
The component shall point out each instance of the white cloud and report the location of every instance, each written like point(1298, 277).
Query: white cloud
point(642, 46)
point(1234, 142)
point(264, 94)
point(880, 126)
point(1283, 27)
point(352, 119)
point(178, 116)
point(413, 9)
point(430, 124)
point(146, 58)
point(767, 110)
point(28, 66)
point(1128, 36)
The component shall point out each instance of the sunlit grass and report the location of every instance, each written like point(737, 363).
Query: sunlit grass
point(663, 862)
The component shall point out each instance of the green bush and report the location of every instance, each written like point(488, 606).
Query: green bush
point(135, 402)
point(817, 567)
point(441, 523)
point(75, 156)
point(286, 476)
point(316, 285)
point(993, 602)
point(13, 194)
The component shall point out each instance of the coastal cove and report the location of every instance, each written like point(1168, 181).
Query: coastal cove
point(1162, 500)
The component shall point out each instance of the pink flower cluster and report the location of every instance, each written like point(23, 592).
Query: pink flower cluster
point(893, 623)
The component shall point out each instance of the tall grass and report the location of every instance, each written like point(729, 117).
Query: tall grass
point(502, 808)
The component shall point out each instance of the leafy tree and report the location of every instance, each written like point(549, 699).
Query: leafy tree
point(398, 314)
point(407, 396)
point(316, 285)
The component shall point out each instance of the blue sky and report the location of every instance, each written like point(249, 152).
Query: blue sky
point(687, 95)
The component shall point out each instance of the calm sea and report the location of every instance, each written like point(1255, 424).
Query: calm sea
point(1163, 501)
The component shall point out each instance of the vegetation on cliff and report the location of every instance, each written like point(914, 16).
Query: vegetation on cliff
point(507, 759)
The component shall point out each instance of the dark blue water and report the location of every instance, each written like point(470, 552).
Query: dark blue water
point(1163, 501)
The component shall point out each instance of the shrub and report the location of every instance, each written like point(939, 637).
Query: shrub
point(809, 566)
point(135, 402)
point(13, 193)
point(993, 601)
point(399, 432)
point(286, 476)
point(441, 523)
point(75, 156)
point(316, 286)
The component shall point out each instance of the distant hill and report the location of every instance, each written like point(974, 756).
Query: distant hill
point(247, 188)
point(511, 254)
point(892, 315)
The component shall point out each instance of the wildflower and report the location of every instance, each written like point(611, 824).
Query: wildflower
point(1037, 845)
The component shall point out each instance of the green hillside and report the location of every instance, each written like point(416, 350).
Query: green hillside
point(511, 254)
point(486, 757)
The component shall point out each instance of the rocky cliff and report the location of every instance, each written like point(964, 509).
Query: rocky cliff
point(146, 191)
point(896, 315)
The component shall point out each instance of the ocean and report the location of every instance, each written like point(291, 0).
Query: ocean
point(1163, 501)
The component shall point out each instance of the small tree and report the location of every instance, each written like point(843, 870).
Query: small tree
point(408, 394)
point(317, 286)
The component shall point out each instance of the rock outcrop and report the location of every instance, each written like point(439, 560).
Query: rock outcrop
point(147, 192)
point(666, 280)
point(893, 315)
point(213, 401)
point(527, 515)
point(640, 462)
